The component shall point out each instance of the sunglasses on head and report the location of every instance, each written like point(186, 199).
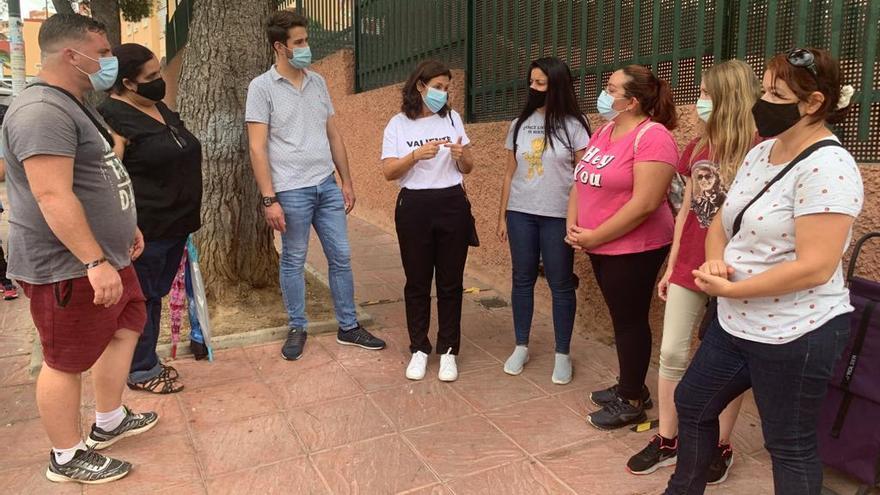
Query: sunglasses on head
point(803, 58)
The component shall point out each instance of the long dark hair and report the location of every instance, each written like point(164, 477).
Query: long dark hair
point(653, 93)
point(561, 103)
point(412, 99)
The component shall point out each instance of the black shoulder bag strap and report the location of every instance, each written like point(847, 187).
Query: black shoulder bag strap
point(737, 222)
point(101, 129)
point(712, 303)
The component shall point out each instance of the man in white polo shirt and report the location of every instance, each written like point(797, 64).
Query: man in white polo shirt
point(294, 148)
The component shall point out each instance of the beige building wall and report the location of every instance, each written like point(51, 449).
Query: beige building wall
point(149, 32)
point(30, 32)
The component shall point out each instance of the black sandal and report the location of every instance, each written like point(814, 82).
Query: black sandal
point(163, 383)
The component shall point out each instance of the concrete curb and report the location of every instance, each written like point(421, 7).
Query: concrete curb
point(253, 337)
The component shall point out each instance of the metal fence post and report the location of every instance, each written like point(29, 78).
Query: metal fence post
point(469, 65)
point(356, 42)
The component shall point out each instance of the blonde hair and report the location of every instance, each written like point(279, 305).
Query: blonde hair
point(730, 131)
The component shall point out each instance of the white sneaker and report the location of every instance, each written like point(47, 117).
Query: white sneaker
point(417, 366)
point(448, 369)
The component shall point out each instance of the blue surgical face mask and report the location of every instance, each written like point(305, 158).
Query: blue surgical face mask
point(704, 109)
point(604, 105)
point(301, 57)
point(106, 75)
point(435, 99)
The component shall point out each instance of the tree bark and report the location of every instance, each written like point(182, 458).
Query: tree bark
point(107, 11)
point(63, 6)
point(226, 49)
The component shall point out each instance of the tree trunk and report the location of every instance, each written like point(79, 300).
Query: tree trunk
point(226, 49)
point(107, 11)
point(63, 6)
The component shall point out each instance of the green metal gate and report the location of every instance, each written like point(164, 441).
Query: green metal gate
point(677, 39)
point(393, 36)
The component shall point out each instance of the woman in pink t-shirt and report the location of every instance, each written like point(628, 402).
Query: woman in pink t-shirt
point(619, 214)
point(727, 93)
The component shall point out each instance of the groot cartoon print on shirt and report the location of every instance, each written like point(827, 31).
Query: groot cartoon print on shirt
point(536, 167)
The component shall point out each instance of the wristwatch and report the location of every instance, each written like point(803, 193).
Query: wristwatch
point(268, 200)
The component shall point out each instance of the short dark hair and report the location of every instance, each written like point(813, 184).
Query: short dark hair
point(132, 58)
point(412, 99)
point(63, 27)
point(279, 24)
point(803, 82)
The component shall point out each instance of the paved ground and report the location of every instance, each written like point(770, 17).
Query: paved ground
point(345, 420)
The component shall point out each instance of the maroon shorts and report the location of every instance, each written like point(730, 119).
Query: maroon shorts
point(74, 331)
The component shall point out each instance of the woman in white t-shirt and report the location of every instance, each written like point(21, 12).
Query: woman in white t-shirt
point(545, 142)
point(425, 148)
point(775, 264)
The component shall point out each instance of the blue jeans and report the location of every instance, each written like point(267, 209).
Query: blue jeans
point(323, 207)
point(156, 269)
point(789, 383)
point(533, 238)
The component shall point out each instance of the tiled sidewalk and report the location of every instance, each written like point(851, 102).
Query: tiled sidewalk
point(346, 421)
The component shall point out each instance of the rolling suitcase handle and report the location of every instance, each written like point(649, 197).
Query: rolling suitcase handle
point(856, 251)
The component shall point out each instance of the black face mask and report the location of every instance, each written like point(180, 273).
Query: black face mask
point(537, 98)
point(772, 119)
point(153, 90)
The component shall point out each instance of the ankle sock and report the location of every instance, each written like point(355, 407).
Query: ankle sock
point(63, 456)
point(109, 421)
point(518, 359)
point(562, 368)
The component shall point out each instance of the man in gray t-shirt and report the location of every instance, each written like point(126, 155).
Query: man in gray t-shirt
point(72, 236)
point(294, 146)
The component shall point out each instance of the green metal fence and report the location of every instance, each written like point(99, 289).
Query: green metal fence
point(495, 40)
point(177, 28)
point(678, 39)
point(392, 36)
point(329, 23)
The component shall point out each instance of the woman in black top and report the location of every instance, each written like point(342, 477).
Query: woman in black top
point(164, 161)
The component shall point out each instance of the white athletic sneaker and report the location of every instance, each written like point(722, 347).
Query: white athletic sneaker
point(448, 369)
point(417, 366)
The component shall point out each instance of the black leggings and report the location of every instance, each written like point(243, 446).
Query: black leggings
point(627, 284)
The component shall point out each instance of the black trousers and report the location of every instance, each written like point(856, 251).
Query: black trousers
point(627, 283)
point(433, 228)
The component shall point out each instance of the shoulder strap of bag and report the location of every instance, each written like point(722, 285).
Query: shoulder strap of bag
point(641, 133)
point(101, 129)
point(737, 222)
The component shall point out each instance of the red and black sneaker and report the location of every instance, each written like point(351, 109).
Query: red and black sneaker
point(721, 464)
point(660, 452)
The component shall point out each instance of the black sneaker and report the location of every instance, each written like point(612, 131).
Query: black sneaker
point(617, 414)
point(294, 345)
point(87, 466)
point(601, 398)
point(133, 424)
point(660, 452)
point(721, 463)
point(359, 336)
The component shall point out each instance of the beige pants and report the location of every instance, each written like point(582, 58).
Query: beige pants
point(684, 308)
